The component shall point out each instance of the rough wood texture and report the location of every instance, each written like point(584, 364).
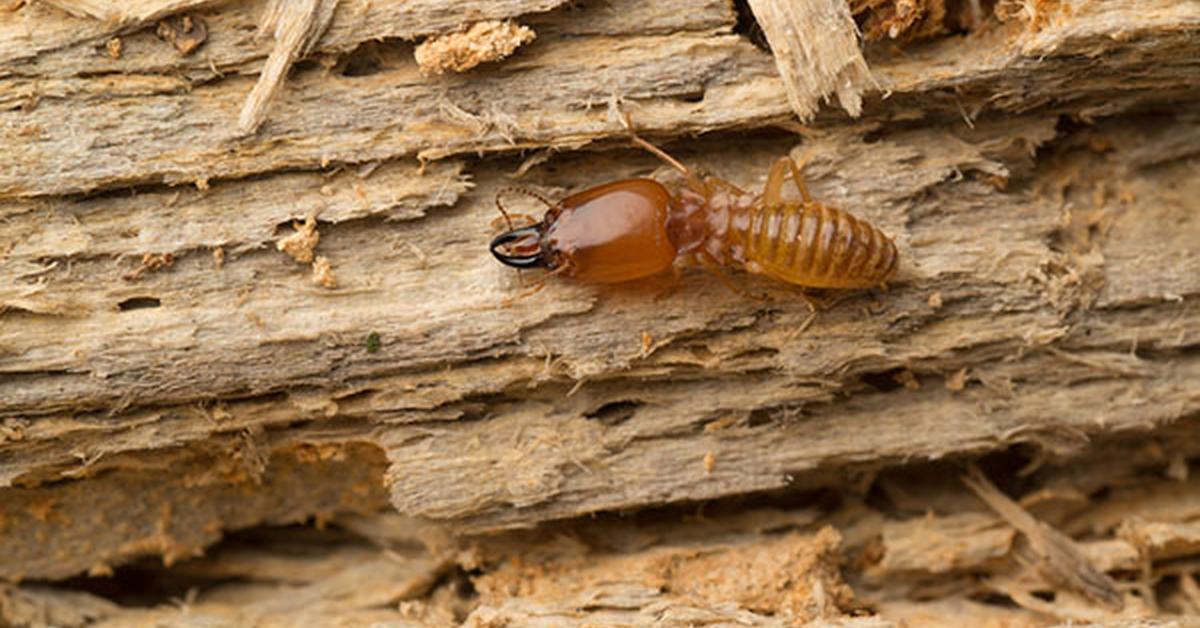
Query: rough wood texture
point(170, 373)
point(816, 48)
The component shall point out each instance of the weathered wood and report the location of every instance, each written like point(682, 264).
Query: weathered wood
point(816, 48)
point(167, 365)
point(182, 137)
point(38, 41)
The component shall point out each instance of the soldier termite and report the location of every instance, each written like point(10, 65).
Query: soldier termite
point(635, 228)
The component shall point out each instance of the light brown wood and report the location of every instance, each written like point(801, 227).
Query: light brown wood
point(816, 49)
point(202, 332)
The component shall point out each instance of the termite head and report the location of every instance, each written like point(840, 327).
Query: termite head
point(607, 234)
point(521, 248)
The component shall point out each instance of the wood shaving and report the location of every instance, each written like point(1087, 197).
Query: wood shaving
point(1060, 560)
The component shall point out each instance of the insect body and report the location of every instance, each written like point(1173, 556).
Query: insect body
point(635, 228)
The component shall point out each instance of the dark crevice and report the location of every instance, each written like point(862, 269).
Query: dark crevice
point(883, 381)
point(362, 61)
point(1045, 596)
point(760, 417)
point(139, 303)
point(747, 26)
point(614, 412)
point(147, 583)
point(142, 584)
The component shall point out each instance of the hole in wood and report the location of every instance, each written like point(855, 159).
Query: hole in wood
point(138, 303)
point(362, 61)
point(761, 416)
point(614, 412)
point(883, 381)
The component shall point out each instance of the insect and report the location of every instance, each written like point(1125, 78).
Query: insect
point(635, 228)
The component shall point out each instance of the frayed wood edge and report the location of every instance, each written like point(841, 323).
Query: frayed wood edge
point(815, 44)
point(131, 13)
point(296, 26)
point(1059, 559)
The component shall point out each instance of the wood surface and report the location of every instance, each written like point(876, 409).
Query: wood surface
point(204, 331)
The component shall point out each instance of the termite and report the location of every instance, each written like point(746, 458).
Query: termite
point(635, 228)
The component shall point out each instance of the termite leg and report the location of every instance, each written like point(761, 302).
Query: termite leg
point(772, 190)
point(524, 294)
point(711, 264)
point(537, 287)
point(666, 284)
point(825, 304)
point(774, 185)
point(798, 179)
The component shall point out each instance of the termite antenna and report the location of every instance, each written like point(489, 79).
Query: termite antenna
point(656, 151)
point(503, 212)
point(526, 192)
point(518, 190)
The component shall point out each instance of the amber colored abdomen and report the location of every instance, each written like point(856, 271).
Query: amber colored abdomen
point(817, 246)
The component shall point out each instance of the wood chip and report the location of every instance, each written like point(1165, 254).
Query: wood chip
point(816, 50)
point(1060, 560)
point(296, 27)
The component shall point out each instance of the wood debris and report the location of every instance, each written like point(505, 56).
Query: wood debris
point(300, 243)
point(151, 262)
point(482, 42)
point(323, 272)
point(743, 462)
point(816, 51)
point(1059, 558)
point(296, 28)
point(186, 32)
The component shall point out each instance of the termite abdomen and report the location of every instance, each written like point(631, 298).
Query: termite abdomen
point(814, 245)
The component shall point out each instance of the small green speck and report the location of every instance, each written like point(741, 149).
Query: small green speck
point(373, 342)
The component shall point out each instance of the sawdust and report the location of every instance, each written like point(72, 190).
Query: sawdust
point(113, 48)
point(1037, 14)
point(481, 43)
point(301, 243)
point(957, 380)
point(151, 263)
point(323, 273)
point(794, 575)
point(899, 19)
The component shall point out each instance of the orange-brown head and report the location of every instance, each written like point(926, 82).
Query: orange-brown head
point(607, 234)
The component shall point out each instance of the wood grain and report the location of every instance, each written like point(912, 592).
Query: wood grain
point(165, 366)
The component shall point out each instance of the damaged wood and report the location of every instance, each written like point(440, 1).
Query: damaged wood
point(816, 49)
point(203, 332)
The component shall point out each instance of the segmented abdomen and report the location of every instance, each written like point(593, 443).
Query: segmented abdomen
point(817, 246)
